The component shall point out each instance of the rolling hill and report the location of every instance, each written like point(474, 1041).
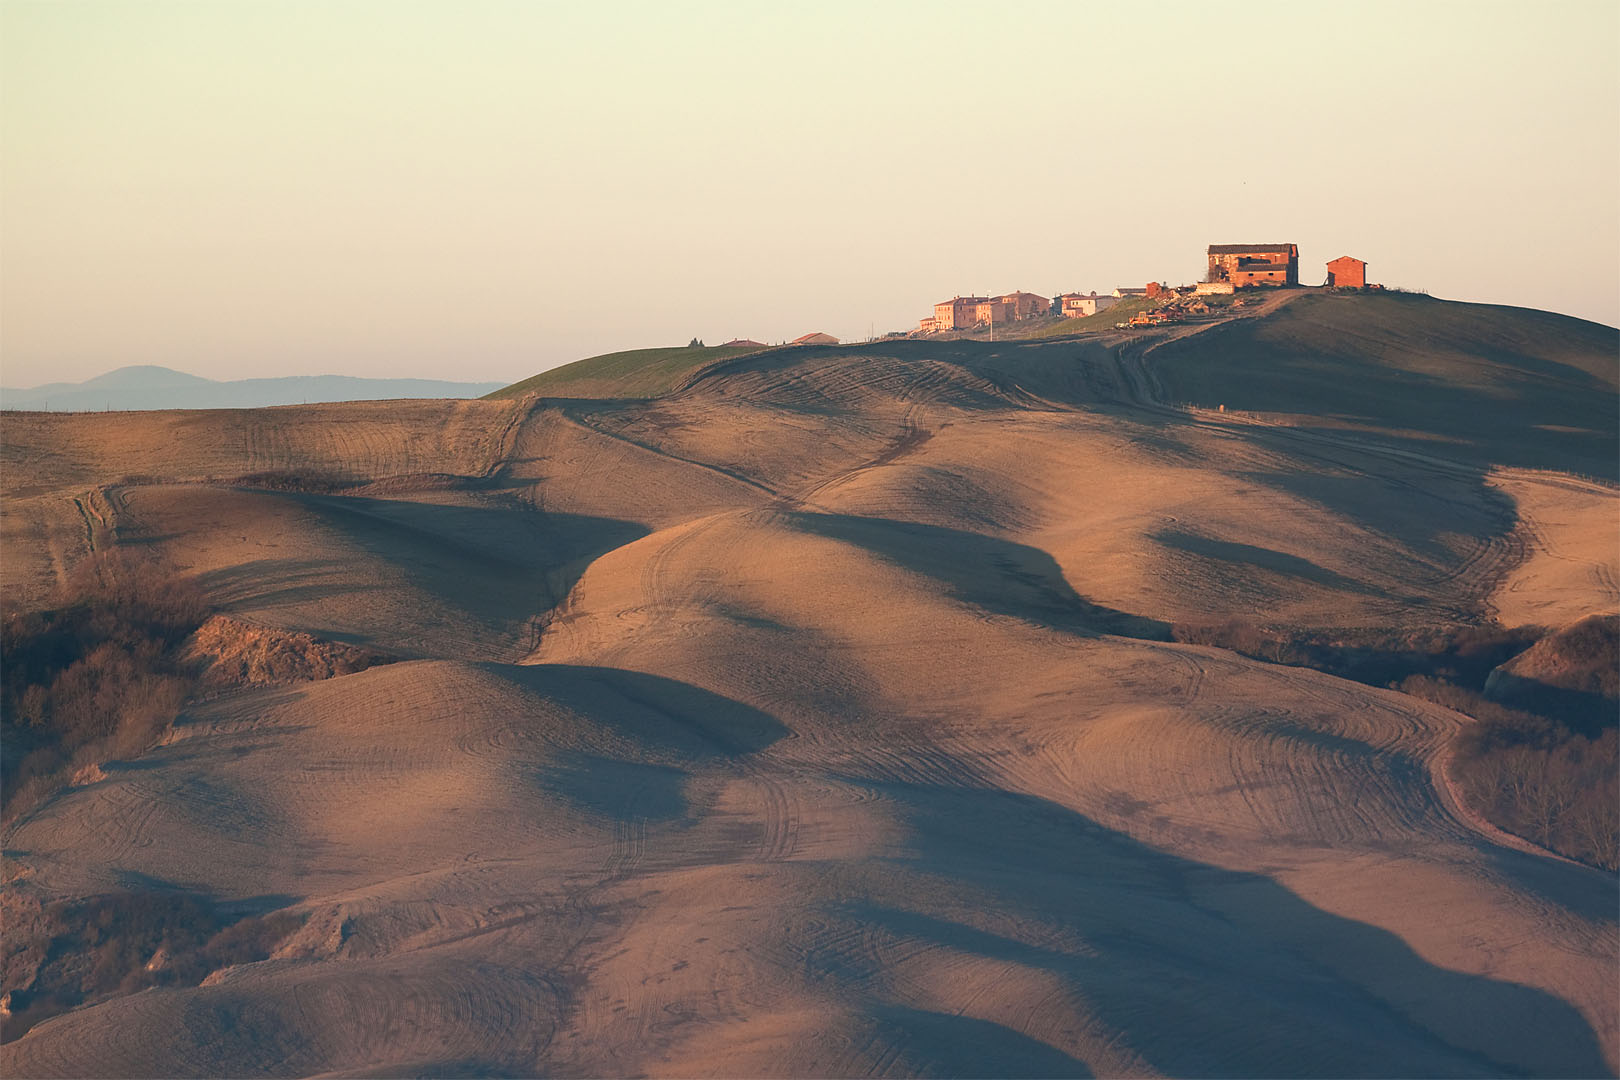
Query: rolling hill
point(636, 373)
point(834, 711)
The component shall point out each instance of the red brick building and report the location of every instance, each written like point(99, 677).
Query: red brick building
point(1247, 265)
point(1347, 273)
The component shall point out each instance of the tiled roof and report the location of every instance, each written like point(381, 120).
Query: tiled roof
point(1238, 249)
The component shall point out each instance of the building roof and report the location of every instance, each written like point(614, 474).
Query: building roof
point(1347, 258)
point(816, 338)
point(963, 300)
point(745, 341)
point(1238, 249)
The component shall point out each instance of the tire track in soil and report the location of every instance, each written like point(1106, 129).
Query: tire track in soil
point(911, 436)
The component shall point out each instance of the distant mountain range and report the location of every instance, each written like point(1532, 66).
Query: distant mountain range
point(147, 386)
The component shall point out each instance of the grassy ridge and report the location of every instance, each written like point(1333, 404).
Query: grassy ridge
point(636, 373)
point(1103, 320)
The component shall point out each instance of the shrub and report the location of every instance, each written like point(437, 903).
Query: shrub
point(1535, 770)
point(310, 483)
point(1464, 654)
point(1534, 776)
point(78, 952)
point(94, 678)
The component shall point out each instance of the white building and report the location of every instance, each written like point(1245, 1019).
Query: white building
point(1080, 305)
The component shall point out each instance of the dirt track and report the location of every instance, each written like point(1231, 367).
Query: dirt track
point(818, 721)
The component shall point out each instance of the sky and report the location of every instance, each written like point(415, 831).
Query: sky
point(483, 190)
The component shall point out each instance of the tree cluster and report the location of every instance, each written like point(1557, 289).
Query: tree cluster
point(59, 956)
point(94, 678)
point(1546, 769)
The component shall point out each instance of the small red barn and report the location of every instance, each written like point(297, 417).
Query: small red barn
point(1347, 273)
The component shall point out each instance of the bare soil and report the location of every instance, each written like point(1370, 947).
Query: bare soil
point(822, 718)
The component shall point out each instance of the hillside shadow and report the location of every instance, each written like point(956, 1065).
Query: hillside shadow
point(616, 788)
point(1270, 561)
point(1590, 893)
point(946, 1044)
point(1203, 971)
point(999, 576)
point(1500, 388)
point(502, 542)
point(501, 565)
point(664, 717)
point(1585, 711)
point(1386, 506)
point(655, 726)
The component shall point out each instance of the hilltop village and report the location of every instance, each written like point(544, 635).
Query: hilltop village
point(1232, 268)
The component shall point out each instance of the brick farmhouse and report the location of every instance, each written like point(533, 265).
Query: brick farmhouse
point(1254, 264)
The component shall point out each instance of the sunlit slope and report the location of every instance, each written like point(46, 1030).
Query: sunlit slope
point(62, 473)
point(363, 440)
point(1293, 516)
point(819, 717)
point(430, 572)
point(1107, 859)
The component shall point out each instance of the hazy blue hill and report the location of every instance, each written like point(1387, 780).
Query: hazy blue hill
point(143, 377)
point(147, 386)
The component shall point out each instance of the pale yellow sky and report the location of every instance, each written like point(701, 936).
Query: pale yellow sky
point(480, 190)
